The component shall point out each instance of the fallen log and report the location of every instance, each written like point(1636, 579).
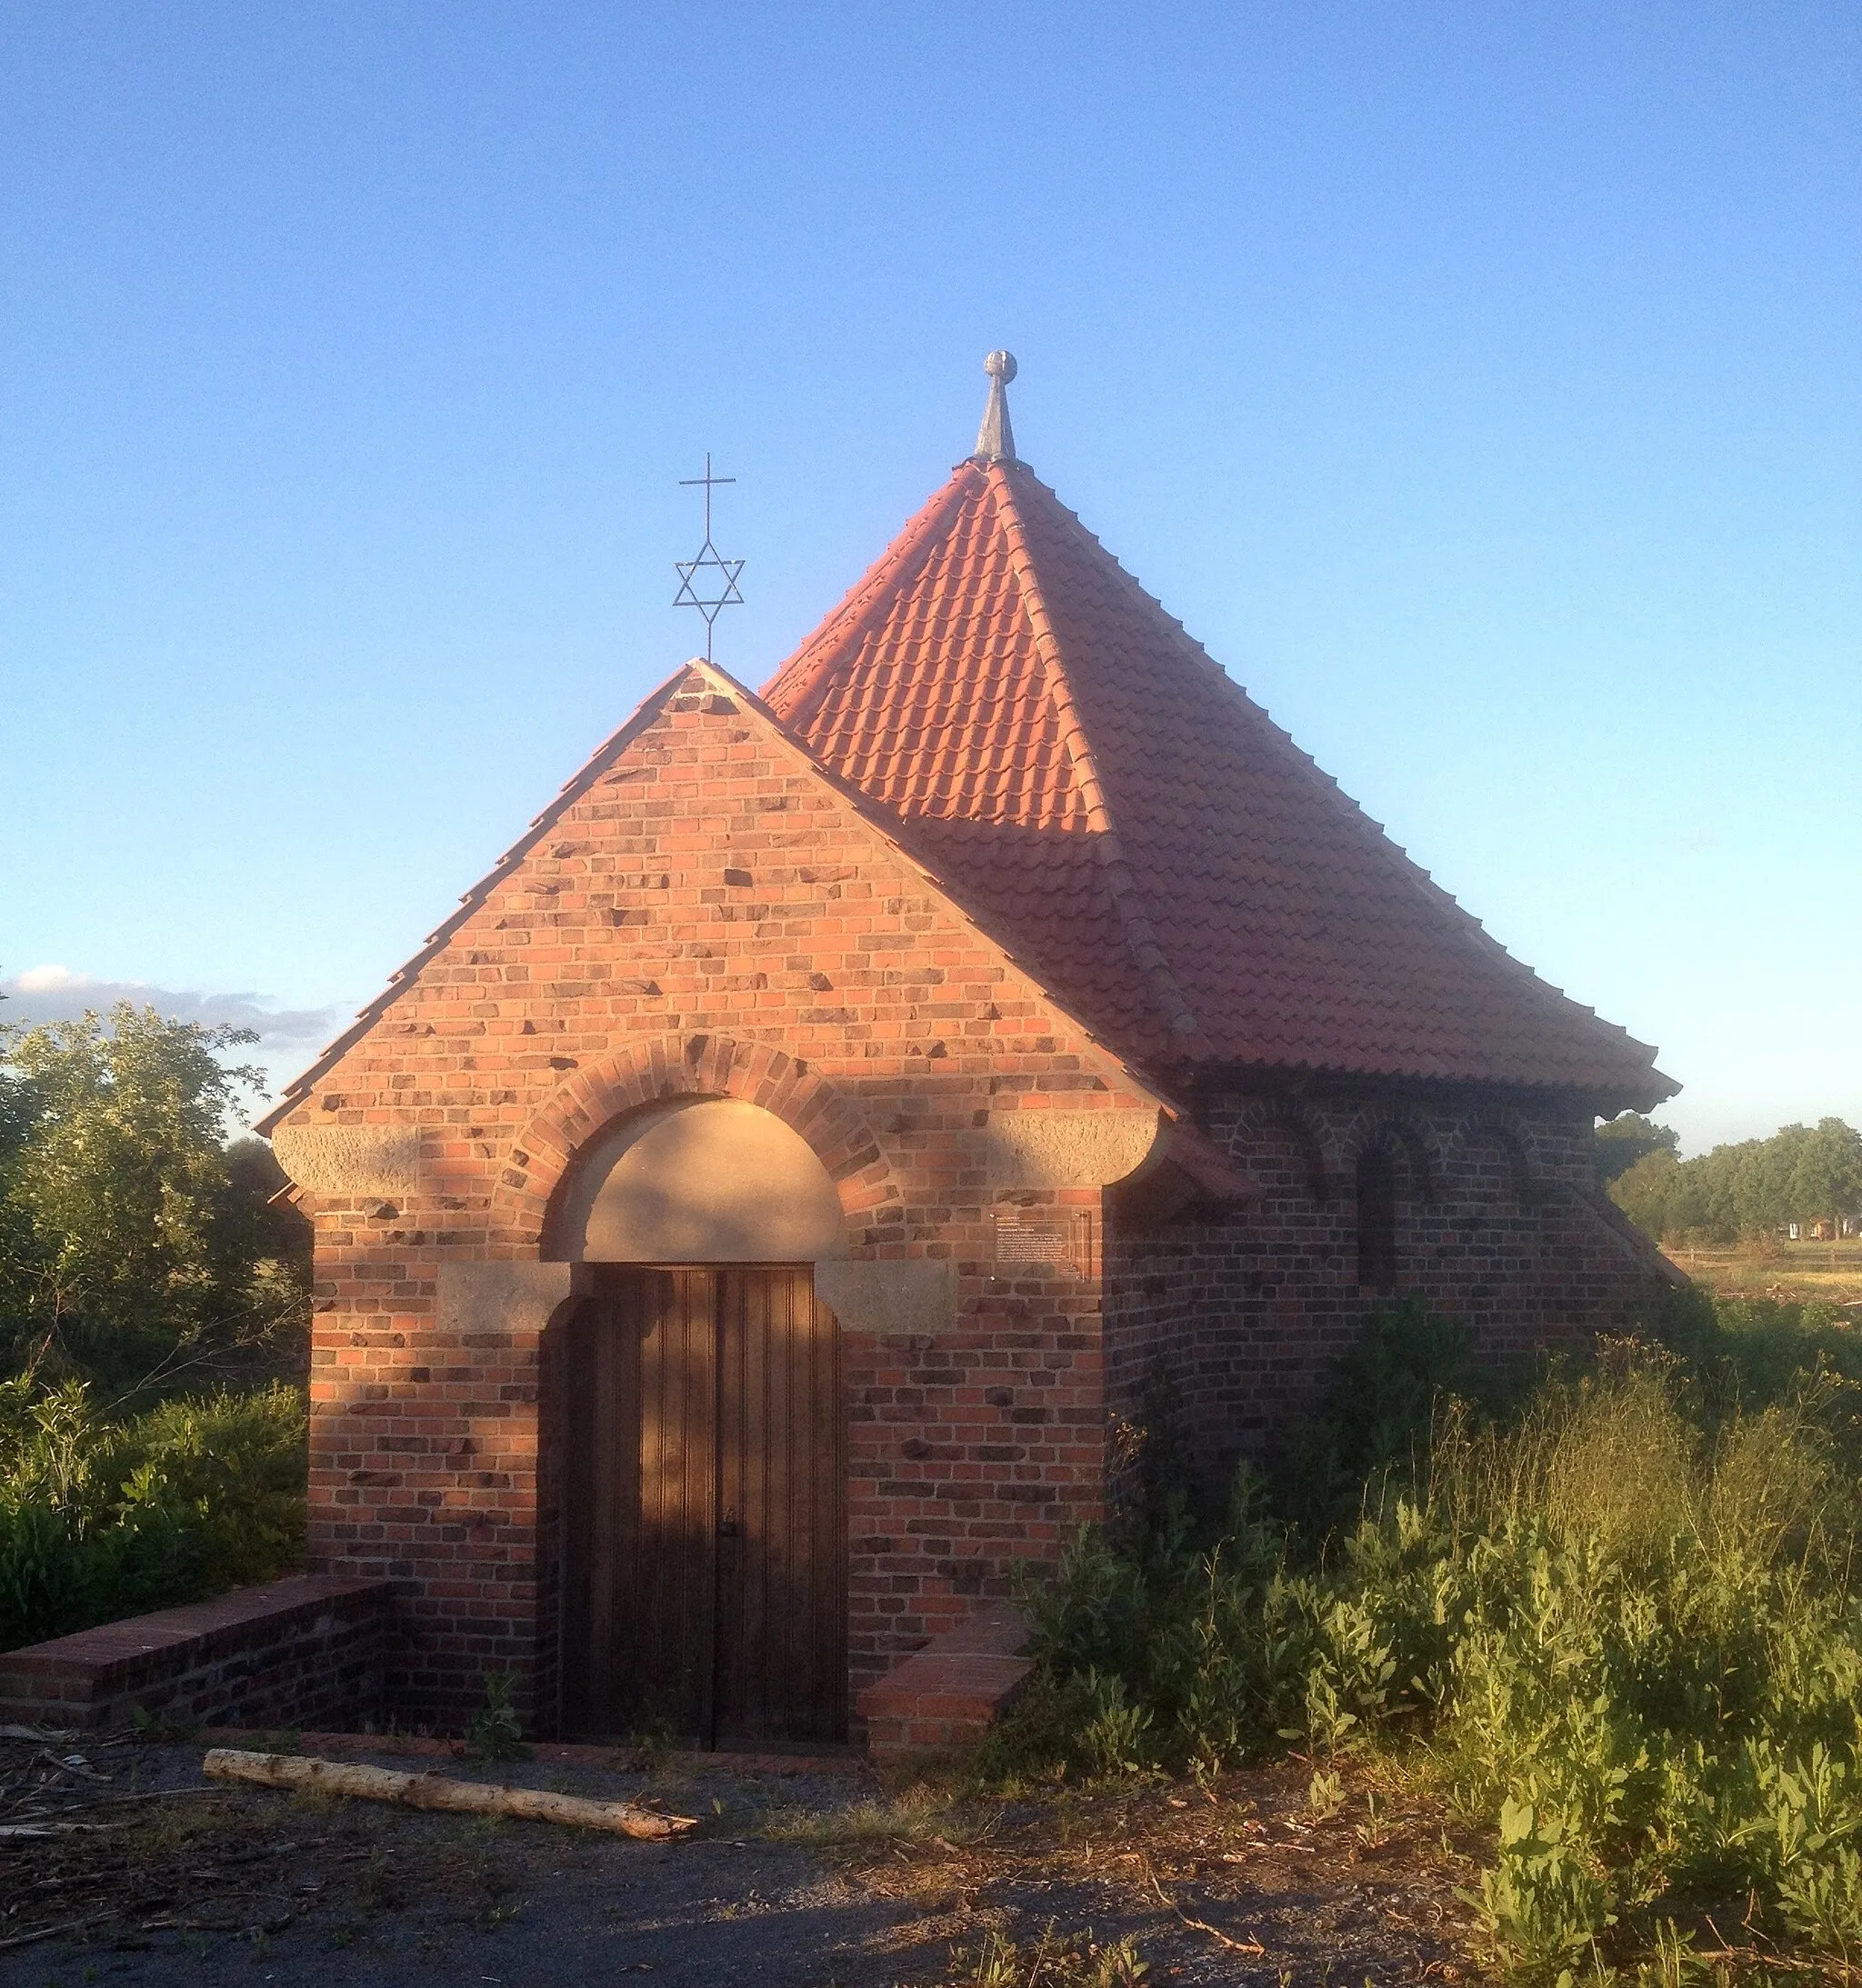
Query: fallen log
point(436, 1791)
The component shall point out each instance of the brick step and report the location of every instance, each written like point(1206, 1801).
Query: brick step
point(950, 1693)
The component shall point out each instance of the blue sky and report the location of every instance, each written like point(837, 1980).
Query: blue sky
point(1479, 383)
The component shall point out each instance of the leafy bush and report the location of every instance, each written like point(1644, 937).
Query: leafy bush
point(102, 1519)
point(1371, 1432)
point(1622, 1625)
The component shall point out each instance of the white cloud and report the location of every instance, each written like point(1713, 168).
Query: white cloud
point(45, 979)
point(56, 994)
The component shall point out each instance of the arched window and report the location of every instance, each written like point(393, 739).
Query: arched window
point(1376, 1219)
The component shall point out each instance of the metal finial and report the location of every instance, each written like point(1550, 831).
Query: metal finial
point(995, 438)
point(727, 570)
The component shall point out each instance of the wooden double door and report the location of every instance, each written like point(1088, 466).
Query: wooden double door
point(705, 1507)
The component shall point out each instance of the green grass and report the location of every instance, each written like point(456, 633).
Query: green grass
point(1767, 1267)
point(919, 1814)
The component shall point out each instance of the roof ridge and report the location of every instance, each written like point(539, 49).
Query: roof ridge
point(1139, 933)
point(867, 597)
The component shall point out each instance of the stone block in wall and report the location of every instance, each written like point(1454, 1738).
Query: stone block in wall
point(340, 1162)
point(912, 1296)
point(1049, 1149)
point(516, 1298)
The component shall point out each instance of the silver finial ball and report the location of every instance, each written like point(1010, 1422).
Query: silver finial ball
point(1000, 365)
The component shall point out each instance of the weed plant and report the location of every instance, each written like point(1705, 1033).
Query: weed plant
point(100, 1519)
point(1053, 1961)
point(919, 1814)
point(1618, 1623)
point(496, 1732)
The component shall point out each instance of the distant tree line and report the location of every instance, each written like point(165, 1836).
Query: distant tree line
point(1803, 1174)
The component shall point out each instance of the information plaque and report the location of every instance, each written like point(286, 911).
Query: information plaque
point(1054, 1240)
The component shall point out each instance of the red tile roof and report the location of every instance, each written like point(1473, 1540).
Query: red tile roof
point(1140, 833)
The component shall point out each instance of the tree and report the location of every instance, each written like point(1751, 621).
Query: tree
point(133, 1248)
point(1753, 1187)
point(1649, 1192)
point(1826, 1177)
point(1627, 1139)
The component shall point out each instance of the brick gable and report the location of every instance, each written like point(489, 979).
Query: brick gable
point(703, 914)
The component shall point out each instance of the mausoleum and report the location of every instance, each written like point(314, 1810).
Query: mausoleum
point(744, 1226)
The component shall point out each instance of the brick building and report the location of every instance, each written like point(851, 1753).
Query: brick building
point(739, 1228)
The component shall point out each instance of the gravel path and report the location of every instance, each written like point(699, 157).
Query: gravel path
point(797, 1880)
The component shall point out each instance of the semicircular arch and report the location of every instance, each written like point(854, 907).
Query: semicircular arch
point(1415, 1140)
point(1511, 1133)
point(696, 1180)
point(1267, 1122)
point(585, 1106)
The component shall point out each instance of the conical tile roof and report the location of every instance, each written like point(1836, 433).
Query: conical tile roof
point(1141, 834)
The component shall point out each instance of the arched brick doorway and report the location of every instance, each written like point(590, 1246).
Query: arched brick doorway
point(705, 1526)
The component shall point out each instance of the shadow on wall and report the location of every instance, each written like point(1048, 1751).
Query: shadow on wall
point(712, 1180)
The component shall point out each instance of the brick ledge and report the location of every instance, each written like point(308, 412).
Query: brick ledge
point(950, 1693)
point(308, 1643)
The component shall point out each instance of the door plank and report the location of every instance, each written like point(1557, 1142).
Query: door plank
point(670, 1601)
point(782, 1650)
point(697, 1393)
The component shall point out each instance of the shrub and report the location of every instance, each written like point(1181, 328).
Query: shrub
point(1370, 1432)
point(100, 1519)
point(1621, 1625)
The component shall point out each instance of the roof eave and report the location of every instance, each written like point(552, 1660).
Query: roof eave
point(1606, 1095)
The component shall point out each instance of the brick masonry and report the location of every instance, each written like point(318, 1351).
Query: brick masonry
point(300, 1651)
point(704, 912)
point(1499, 1225)
point(703, 915)
point(948, 1695)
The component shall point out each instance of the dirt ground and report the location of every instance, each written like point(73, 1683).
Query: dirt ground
point(809, 1877)
point(1792, 1273)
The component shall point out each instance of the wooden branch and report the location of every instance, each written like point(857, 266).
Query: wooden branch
point(28, 1832)
point(42, 1932)
point(435, 1792)
point(1200, 1925)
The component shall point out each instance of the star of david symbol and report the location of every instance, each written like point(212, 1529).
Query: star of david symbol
point(721, 592)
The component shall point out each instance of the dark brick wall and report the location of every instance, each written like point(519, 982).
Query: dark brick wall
point(1498, 1224)
point(305, 1652)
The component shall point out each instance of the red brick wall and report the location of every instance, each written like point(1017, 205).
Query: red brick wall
point(1497, 1226)
point(300, 1651)
point(968, 1455)
point(705, 915)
